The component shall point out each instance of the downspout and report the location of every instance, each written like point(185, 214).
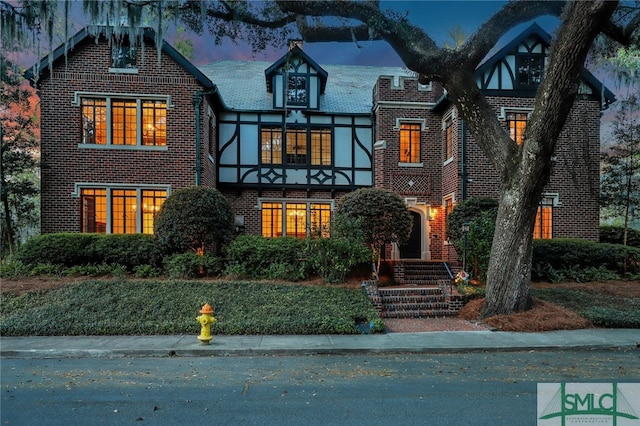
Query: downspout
point(463, 166)
point(197, 100)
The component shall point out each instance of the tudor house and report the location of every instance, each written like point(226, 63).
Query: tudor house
point(123, 126)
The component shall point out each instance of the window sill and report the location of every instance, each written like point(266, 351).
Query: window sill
point(123, 147)
point(415, 165)
point(447, 161)
point(123, 70)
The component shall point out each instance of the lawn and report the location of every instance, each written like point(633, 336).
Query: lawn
point(122, 306)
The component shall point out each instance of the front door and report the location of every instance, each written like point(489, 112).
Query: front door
point(412, 249)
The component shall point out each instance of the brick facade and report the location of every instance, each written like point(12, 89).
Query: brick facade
point(425, 186)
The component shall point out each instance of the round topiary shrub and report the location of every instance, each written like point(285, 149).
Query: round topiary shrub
point(194, 218)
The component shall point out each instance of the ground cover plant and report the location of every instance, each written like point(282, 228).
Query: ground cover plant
point(121, 306)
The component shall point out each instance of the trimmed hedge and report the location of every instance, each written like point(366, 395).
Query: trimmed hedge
point(68, 249)
point(253, 256)
point(553, 258)
point(613, 235)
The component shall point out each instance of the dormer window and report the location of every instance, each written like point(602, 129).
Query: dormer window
point(530, 67)
point(297, 90)
point(123, 55)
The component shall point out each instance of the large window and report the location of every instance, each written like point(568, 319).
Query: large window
point(517, 123)
point(295, 219)
point(544, 220)
point(120, 210)
point(115, 121)
point(296, 146)
point(410, 142)
point(302, 146)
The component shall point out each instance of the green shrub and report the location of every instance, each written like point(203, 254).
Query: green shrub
point(76, 250)
point(480, 214)
point(557, 259)
point(65, 249)
point(382, 215)
point(13, 269)
point(128, 250)
point(253, 256)
point(192, 265)
point(614, 235)
point(334, 257)
point(97, 270)
point(146, 271)
point(47, 269)
point(194, 219)
point(470, 292)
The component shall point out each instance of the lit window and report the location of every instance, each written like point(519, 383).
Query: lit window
point(544, 220)
point(94, 121)
point(320, 218)
point(151, 202)
point(448, 206)
point(131, 122)
point(530, 67)
point(296, 220)
point(517, 123)
point(299, 219)
point(123, 55)
point(94, 210)
point(154, 123)
point(123, 211)
point(271, 219)
point(448, 138)
point(297, 90)
point(123, 115)
point(296, 146)
point(409, 142)
point(271, 145)
point(120, 211)
point(320, 147)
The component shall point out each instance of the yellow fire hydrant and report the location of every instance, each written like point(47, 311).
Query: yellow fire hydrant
point(205, 320)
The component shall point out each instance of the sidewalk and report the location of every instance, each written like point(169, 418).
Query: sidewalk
point(430, 342)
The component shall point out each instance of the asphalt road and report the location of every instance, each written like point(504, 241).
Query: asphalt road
point(415, 389)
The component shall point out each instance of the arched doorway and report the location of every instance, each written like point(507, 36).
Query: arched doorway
point(412, 249)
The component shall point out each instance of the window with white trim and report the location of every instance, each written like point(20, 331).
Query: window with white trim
point(295, 219)
point(120, 210)
point(124, 121)
point(410, 142)
point(543, 228)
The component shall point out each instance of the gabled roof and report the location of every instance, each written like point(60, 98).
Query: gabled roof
point(537, 31)
point(42, 67)
point(295, 52)
point(242, 86)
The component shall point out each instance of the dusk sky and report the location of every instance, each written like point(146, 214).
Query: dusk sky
point(435, 17)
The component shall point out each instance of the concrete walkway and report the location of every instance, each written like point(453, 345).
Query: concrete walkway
point(429, 342)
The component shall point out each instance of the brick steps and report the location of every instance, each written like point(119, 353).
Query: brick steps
point(425, 291)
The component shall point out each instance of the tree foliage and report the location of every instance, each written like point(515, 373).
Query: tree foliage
point(194, 218)
point(620, 178)
point(19, 133)
point(383, 216)
point(480, 215)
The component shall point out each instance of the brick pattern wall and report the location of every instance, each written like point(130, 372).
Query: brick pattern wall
point(574, 175)
point(65, 164)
